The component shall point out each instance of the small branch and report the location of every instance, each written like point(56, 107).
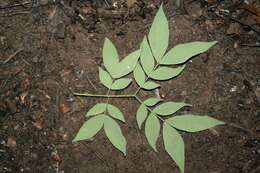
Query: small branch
point(101, 95)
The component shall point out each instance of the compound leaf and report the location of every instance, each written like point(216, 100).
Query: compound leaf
point(121, 83)
point(183, 52)
point(110, 57)
point(97, 109)
point(114, 134)
point(147, 60)
point(174, 145)
point(90, 128)
point(128, 64)
point(115, 112)
point(165, 73)
point(152, 130)
point(139, 75)
point(141, 115)
point(193, 123)
point(105, 78)
point(152, 101)
point(159, 34)
point(150, 85)
point(168, 108)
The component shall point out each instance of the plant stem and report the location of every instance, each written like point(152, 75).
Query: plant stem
point(103, 95)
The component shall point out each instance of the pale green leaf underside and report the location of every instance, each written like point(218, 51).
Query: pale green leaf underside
point(128, 64)
point(150, 85)
point(152, 101)
point(121, 83)
point(147, 60)
point(165, 73)
point(183, 52)
point(114, 134)
point(105, 78)
point(174, 145)
point(193, 123)
point(141, 115)
point(115, 112)
point(110, 57)
point(169, 108)
point(159, 35)
point(152, 130)
point(139, 75)
point(97, 109)
point(90, 128)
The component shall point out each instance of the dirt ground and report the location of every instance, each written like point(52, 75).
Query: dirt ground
point(50, 49)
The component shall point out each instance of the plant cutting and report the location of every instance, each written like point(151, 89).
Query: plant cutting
point(149, 64)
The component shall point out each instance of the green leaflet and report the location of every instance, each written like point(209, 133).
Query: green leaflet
point(141, 115)
point(105, 78)
point(152, 101)
point(159, 35)
point(183, 52)
point(165, 73)
point(174, 145)
point(115, 112)
point(152, 130)
point(110, 57)
point(150, 85)
point(121, 83)
point(169, 108)
point(111, 60)
point(90, 128)
point(147, 60)
point(114, 134)
point(128, 64)
point(97, 109)
point(139, 75)
point(193, 123)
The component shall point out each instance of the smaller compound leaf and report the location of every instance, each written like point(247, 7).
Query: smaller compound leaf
point(147, 60)
point(97, 109)
point(90, 128)
point(115, 112)
point(141, 115)
point(165, 73)
point(159, 34)
point(152, 101)
point(114, 134)
point(183, 52)
point(150, 85)
point(193, 123)
point(120, 83)
point(169, 108)
point(105, 78)
point(152, 130)
point(139, 75)
point(110, 57)
point(174, 145)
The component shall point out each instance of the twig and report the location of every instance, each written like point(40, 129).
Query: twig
point(91, 83)
point(17, 13)
point(15, 5)
point(241, 128)
point(12, 55)
point(252, 28)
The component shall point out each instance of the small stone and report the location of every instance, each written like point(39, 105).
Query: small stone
point(233, 89)
point(11, 142)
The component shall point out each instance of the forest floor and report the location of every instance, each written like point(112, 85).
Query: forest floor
point(50, 49)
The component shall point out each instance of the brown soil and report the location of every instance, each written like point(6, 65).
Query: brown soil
point(49, 50)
